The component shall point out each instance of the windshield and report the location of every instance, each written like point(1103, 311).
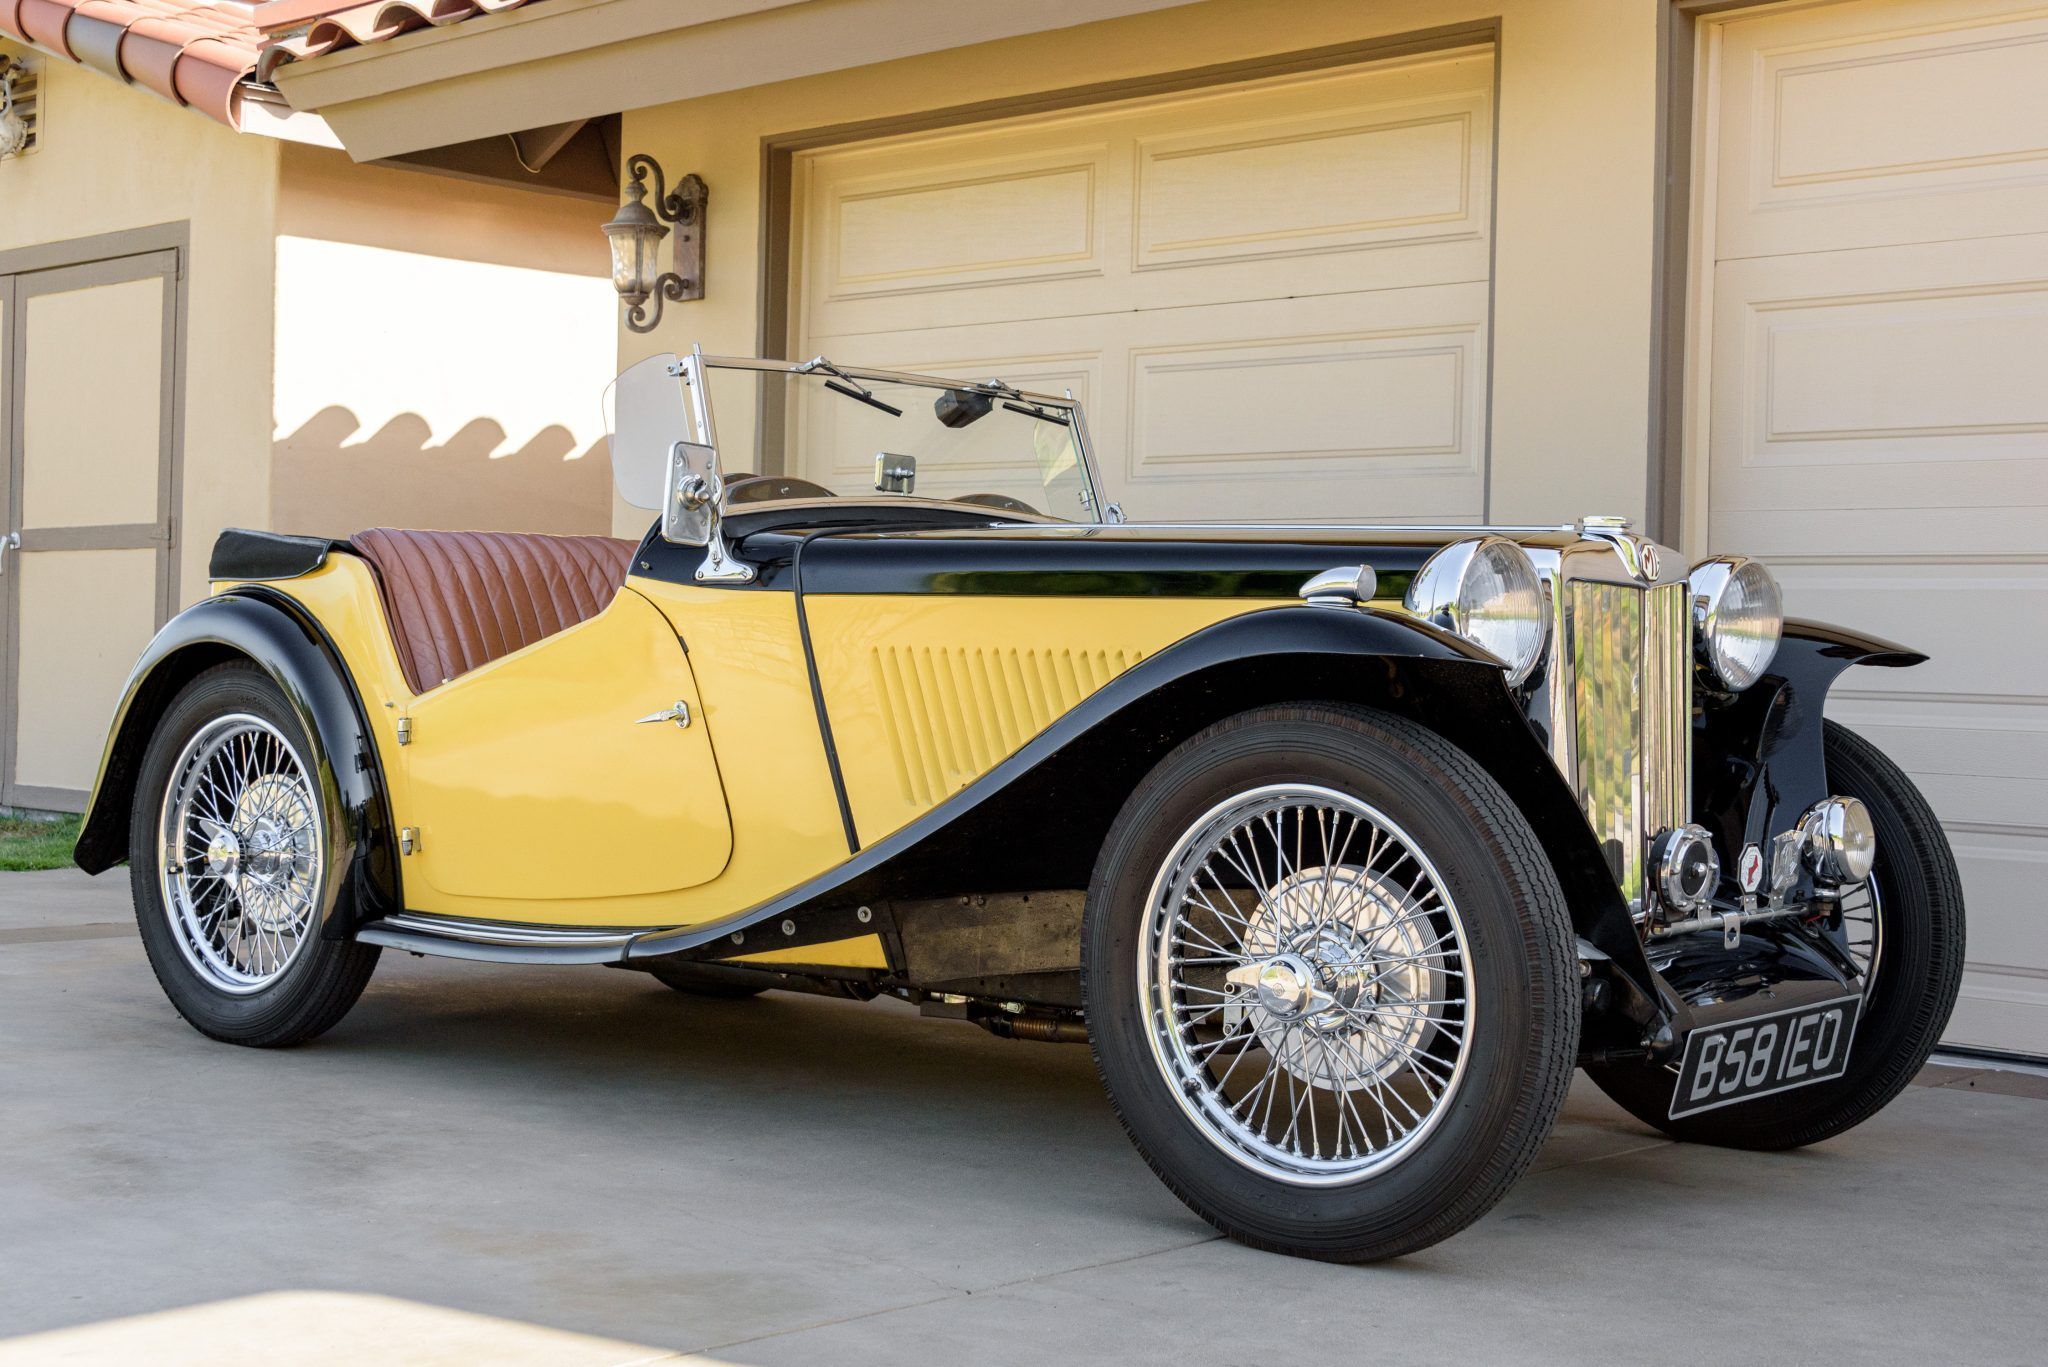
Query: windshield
point(854, 436)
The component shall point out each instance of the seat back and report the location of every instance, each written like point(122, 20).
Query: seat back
point(457, 600)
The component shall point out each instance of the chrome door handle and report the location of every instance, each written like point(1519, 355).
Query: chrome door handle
point(679, 714)
point(9, 542)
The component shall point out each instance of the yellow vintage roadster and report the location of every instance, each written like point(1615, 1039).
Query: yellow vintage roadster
point(1340, 846)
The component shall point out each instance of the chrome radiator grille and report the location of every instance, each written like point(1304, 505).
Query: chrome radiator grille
point(1625, 657)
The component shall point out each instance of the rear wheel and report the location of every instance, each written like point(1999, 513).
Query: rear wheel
point(1330, 982)
point(1905, 929)
point(227, 861)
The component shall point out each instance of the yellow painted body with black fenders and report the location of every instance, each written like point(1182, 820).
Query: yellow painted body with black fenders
point(535, 789)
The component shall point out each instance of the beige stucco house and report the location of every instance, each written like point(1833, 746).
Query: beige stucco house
point(1766, 276)
point(201, 328)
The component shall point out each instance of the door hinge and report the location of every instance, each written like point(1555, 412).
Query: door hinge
point(408, 840)
point(405, 730)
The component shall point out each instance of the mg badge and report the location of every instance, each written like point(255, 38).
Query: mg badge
point(1649, 563)
point(1750, 871)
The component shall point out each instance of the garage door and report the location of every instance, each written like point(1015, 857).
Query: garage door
point(1272, 297)
point(1878, 427)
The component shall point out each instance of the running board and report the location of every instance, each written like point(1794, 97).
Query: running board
point(499, 942)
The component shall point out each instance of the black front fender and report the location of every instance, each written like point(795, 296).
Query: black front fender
point(1758, 762)
point(1037, 820)
point(279, 636)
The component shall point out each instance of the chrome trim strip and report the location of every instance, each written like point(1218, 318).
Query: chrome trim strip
point(508, 932)
point(1139, 525)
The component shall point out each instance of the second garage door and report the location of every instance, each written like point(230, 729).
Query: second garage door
point(1879, 425)
point(1272, 297)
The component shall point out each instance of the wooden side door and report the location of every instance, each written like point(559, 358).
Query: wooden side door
point(89, 395)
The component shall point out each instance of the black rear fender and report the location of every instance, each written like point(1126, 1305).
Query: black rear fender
point(278, 635)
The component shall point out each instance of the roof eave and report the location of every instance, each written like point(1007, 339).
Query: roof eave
point(580, 59)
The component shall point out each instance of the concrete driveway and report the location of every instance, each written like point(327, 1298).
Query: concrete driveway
point(797, 1180)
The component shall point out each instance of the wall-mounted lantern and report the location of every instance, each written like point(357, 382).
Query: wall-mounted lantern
point(636, 232)
point(17, 87)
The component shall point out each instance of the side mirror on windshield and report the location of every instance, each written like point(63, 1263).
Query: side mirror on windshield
point(689, 514)
point(651, 411)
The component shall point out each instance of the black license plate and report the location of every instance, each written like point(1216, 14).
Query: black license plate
point(1775, 1052)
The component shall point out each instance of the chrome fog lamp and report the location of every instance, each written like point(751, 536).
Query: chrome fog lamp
point(1487, 591)
point(1738, 615)
point(1838, 840)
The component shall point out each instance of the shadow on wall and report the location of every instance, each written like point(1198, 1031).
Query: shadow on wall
point(327, 480)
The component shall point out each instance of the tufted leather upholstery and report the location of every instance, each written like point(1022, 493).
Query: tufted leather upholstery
point(457, 600)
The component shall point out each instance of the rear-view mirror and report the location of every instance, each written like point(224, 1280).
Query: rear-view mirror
point(688, 513)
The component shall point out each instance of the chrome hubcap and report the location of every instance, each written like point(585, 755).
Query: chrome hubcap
point(1305, 976)
point(242, 853)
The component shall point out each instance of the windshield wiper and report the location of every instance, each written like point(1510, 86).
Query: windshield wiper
point(847, 385)
point(853, 391)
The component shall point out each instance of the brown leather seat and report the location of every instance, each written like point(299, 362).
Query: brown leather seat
point(457, 600)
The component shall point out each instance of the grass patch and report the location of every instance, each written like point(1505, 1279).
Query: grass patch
point(35, 843)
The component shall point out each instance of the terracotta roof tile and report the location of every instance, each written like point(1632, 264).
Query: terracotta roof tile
point(196, 52)
point(201, 53)
point(294, 36)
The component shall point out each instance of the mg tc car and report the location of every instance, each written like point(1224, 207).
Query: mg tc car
point(1341, 847)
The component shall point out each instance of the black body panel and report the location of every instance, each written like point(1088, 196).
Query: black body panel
point(280, 637)
point(1757, 761)
point(241, 554)
point(1097, 562)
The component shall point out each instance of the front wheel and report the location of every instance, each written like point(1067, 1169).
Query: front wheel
point(1330, 982)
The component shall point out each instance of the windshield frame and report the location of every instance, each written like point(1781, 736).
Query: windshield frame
point(703, 416)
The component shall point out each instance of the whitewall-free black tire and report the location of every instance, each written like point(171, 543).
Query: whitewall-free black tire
point(1330, 982)
point(228, 866)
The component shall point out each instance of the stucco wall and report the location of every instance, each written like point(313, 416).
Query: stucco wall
point(1575, 198)
point(442, 348)
point(113, 159)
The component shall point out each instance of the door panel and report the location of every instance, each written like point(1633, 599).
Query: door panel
point(531, 780)
point(92, 387)
point(89, 413)
point(1878, 431)
point(68, 677)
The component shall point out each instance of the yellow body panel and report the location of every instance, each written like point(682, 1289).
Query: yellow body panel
point(516, 811)
point(863, 951)
point(535, 780)
point(927, 692)
point(749, 660)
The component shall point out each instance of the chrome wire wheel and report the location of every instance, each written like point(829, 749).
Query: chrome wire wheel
point(242, 853)
point(1306, 978)
point(1862, 932)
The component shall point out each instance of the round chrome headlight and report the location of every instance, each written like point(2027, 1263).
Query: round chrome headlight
point(1737, 616)
point(1487, 591)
